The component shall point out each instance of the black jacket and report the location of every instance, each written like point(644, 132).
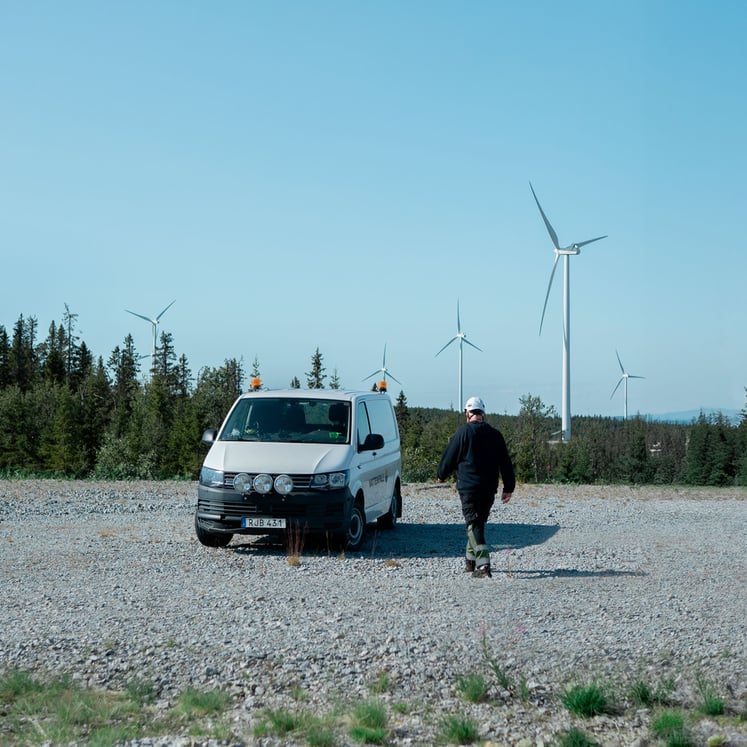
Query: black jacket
point(478, 453)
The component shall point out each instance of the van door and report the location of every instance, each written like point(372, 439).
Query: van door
point(382, 421)
point(368, 463)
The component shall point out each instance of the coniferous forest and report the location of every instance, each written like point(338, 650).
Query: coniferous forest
point(65, 412)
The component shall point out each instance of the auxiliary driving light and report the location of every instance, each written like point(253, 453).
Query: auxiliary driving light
point(283, 484)
point(242, 483)
point(263, 483)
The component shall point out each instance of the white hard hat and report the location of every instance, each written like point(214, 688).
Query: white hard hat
point(474, 403)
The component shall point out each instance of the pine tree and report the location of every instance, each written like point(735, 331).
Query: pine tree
point(402, 414)
point(334, 381)
point(22, 355)
point(4, 358)
point(315, 378)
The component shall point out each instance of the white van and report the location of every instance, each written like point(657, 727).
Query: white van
point(319, 461)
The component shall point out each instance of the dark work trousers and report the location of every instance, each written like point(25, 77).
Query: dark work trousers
point(476, 510)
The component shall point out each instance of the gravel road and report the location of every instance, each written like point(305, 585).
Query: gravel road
point(107, 582)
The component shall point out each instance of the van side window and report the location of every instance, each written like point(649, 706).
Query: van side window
point(363, 426)
point(381, 418)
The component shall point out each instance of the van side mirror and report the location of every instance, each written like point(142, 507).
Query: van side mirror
point(373, 442)
point(209, 436)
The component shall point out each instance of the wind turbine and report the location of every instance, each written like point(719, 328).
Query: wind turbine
point(624, 378)
point(565, 252)
point(383, 371)
point(462, 337)
point(154, 322)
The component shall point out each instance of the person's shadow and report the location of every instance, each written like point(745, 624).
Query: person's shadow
point(447, 540)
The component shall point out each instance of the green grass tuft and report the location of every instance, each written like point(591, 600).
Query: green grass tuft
point(586, 700)
point(576, 738)
point(473, 688)
point(670, 727)
point(710, 703)
point(369, 723)
point(458, 730)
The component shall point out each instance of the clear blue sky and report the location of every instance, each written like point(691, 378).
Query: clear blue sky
point(339, 174)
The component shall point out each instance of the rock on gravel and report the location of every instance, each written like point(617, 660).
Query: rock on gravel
point(107, 582)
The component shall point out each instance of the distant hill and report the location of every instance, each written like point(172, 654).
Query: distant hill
point(687, 416)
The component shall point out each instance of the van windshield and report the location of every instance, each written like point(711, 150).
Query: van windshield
point(289, 420)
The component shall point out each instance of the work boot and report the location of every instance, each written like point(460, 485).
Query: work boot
point(469, 565)
point(482, 571)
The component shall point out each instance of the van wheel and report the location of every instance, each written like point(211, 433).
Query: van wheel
point(357, 527)
point(389, 519)
point(211, 539)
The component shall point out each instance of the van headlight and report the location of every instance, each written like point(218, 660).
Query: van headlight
point(211, 477)
point(330, 480)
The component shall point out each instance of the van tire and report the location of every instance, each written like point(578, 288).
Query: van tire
point(357, 527)
point(211, 539)
point(389, 519)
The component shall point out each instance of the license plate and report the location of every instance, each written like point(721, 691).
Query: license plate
point(262, 522)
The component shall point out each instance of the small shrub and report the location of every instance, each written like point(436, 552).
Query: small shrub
point(585, 700)
point(473, 688)
point(458, 730)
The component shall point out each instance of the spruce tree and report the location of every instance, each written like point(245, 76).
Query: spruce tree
point(315, 378)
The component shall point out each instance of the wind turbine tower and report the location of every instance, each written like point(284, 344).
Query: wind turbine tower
point(383, 371)
point(624, 380)
point(462, 338)
point(154, 322)
point(566, 252)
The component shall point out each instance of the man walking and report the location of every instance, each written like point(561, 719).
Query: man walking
point(478, 453)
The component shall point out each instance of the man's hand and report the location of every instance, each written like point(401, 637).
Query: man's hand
point(506, 497)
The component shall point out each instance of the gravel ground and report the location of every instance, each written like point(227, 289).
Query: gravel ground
point(107, 582)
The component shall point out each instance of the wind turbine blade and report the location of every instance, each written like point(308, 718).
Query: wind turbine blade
point(550, 229)
point(383, 360)
point(391, 376)
point(549, 285)
point(375, 373)
point(579, 244)
point(446, 346)
point(459, 324)
point(630, 376)
point(616, 387)
point(166, 309)
point(147, 318)
point(472, 344)
point(619, 361)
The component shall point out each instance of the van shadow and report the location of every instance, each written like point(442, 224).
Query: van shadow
point(436, 541)
point(410, 541)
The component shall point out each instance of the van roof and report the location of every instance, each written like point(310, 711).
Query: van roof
point(348, 395)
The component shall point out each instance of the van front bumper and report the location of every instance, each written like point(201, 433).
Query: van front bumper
point(221, 510)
